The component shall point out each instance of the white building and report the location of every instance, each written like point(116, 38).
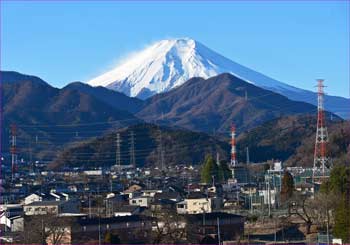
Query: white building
point(142, 201)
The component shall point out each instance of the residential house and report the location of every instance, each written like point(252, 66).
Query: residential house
point(127, 210)
point(142, 201)
point(51, 207)
point(198, 203)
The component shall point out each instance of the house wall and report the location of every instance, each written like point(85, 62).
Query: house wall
point(32, 198)
point(17, 224)
point(200, 205)
point(41, 210)
point(141, 201)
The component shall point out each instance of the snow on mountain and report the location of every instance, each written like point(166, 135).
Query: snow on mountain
point(169, 63)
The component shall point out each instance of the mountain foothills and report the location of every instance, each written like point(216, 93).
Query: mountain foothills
point(115, 99)
point(48, 118)
point(77, 125)
point(169, 63)
point(291, 139)
point(152, 143)
point(212, 105)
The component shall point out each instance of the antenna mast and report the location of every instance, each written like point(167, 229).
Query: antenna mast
point(320, 155)
point(233, 146)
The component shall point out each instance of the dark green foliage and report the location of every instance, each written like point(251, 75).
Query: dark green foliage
point(339, 184)
point(287, 188)
point(224, 171)
point(338, 179)
point(211, 169)
point(342, 215)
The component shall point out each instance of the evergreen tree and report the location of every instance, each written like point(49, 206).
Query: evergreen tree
point(210, 168)
point(342, 215)
point(225, 171)
point(338, 179)
point(338, 184)
point(287, 188)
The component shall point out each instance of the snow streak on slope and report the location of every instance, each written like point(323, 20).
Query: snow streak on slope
point(169, 63)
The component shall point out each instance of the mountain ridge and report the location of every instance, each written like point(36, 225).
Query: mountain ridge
point(213, 104)
point(167, 64)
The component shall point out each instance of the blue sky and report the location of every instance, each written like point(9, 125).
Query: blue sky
point(294, 42)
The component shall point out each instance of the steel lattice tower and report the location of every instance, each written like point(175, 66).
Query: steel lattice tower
point(320, 155)
point(233, 146)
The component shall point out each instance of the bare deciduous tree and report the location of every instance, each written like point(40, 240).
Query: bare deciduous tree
point(43, 229)
point(313, 211)
point(170, 227)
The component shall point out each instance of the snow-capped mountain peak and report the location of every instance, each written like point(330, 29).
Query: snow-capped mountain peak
point(168, 64)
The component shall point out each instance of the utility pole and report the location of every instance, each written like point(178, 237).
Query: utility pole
point(117, 156)
point(132, 149)
point(268, 195)
point(218, 224)
point(246, 95)
point(203, 220)
point(90, 205)
point(13, 149)
point(218, 158)
point(161, 151)
point(247, 154)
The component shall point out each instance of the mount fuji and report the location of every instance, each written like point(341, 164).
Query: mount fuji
point(169, 63)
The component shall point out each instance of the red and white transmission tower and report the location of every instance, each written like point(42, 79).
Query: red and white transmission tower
point(320, 154)
point(233, 146)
